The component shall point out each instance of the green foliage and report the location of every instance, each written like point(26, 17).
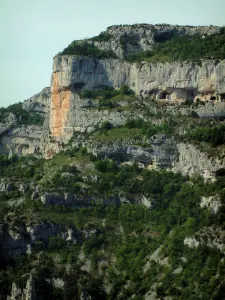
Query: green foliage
point(134, 123)
point(102, 37)
point(147, 128)
point(106, 92)
point(56, 243)
point(179, 48)
point(106, 125)
point(106, 165)
point(83, 48)
point(19, 167)
point(22, 116)
point(123, 236)
point(106, 103)
point(39, 246)
point(213, 135)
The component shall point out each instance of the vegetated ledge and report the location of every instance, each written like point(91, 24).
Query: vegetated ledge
point(83, 48)
point(167, 44)
point(184, 48)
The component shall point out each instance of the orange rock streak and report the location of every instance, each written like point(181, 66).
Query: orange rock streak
point(60, 105)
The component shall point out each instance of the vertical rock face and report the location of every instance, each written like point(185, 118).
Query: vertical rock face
point(179, 80)
point(172, 81)
point(59, 108)
point(28, 293)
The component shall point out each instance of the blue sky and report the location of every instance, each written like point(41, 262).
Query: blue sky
point(33, 31)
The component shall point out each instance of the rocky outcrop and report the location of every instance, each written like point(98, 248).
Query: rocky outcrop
point(169, 81)
point(6, 125)
point(16, 293)
point(39, 102)
point(55, 198)
point(211, 110)
point(193, 161)
point(209, 236)
point(127, 39)
point(22, 140)
point(162, 152)
point(29, 293)
point(212, 202)
point(16, 242)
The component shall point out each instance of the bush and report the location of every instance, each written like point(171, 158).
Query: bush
point(105, 95)
point(83, 48)
point(106, 165)
point(56, 243)
point(102, 37)
point(125, 90)
point(106, 125)
point(214, 135)
point(148, 129)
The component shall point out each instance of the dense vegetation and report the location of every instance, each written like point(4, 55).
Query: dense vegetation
point(83, 48)
point(213, 135)
point(129, 221)
point(107, 96)
point(22, 116)
point(180, 48)
point(123, 235)
point(102, 37)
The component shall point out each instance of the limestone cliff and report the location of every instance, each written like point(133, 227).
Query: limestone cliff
point(179, 80)
point(174, 83)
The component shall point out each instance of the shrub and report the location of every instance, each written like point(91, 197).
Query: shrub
point(83, 48)
point(106, 165)
point(215, 135)
point(56, 243)
point(102, 37)
point(106, 125)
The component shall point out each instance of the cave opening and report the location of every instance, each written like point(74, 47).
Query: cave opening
point(213, 98)
point(220, 172)
point(163, 95)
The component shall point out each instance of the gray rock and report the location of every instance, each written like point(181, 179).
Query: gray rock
point(182, 78)
point(69, 199)
point(16, 293)
point(6, 186)
point(39, 102)
point(212, 202)
point(52, 199)
point(23, 187)
point(35, 195)
point(30, 292)
point(213, 237)
point(193, 161)
point(141, 37)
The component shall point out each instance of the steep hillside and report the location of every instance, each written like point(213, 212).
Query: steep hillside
point(112, 180)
